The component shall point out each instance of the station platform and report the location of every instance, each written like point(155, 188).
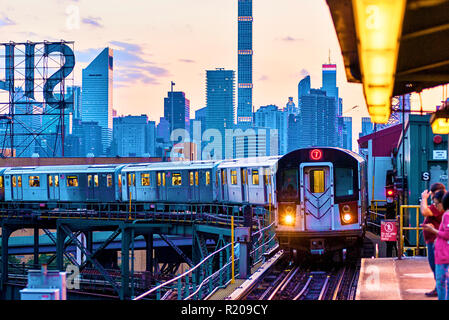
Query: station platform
point(392, 279)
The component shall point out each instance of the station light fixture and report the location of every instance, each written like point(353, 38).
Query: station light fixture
point(439, 121)
point(378, 26)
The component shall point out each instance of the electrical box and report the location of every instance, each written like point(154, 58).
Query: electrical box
point(45, 285)
point(39, 294)
point(243, 234)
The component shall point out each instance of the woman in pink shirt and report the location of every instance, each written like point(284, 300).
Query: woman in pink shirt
point(441, 249)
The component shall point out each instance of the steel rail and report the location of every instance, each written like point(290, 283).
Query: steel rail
point(284, 282)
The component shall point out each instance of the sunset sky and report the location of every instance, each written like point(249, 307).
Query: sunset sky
point(158, 41)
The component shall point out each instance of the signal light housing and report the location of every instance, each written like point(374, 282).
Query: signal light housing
point(390, 193)
point(348, 213)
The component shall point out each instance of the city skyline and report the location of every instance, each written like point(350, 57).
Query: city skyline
point(156, 42)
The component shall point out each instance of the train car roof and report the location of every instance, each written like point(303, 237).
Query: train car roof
point(64, 169)
point(176, 165)
point(249, 162)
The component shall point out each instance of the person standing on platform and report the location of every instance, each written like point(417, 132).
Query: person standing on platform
point(433, 216)
point(441, 250)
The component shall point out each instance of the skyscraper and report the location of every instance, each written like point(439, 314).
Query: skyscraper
point(347, 133)
point(367, 127)
point(330, 83)
point(245, 63)
point(219, 99)
point(97, 94)
point(131, 136)
point(318, 120)
point(303, 89)
point(290, 106)
point(180, 119)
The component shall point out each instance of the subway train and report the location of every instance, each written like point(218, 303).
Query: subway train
point(318, 195)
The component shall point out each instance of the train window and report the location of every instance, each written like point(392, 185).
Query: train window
point(89, 180)
point(119, 181)
point(316, 181)
point(56, 181)
point(191, 181)
point(163, 178)
point(224, 179)
point(109, 180)
point(131, 179)
point(19, 181)
point(256, 177)
point(1, 182)
point(176, 179)
point(50, 181)
point(72, 181)
point(96, 180)
point(266, 177)
point(196, 178)
point(234, 177)
point(145, 179)
point(244, 174)
point(34, 181)
point(344, 182)
point(289, 184)
point(207, 178)
point(14, 183)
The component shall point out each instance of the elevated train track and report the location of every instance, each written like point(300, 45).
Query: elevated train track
point(287, 280)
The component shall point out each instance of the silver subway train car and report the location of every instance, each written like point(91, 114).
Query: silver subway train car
point(318, 195)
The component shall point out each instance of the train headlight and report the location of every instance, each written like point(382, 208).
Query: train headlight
point(348, 213)
point(287, 215)
point(346, 217)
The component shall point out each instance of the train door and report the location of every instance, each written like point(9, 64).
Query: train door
point(53, 186)
point(93, 187)
point(194, 185)
point(17, 192)
point(131, 180)
point(317, 196)
point(224, 184)
point(161, 186)
point(244, 179)
point(266, 184)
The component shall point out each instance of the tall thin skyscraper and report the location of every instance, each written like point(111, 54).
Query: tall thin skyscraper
point(330, 83)
point(245, 63)
point(97, 94)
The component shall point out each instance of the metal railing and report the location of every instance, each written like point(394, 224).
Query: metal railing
point(186, 286)
point(416, 248)
point(375, 215)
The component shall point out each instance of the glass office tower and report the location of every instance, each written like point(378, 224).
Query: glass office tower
point(97, 94)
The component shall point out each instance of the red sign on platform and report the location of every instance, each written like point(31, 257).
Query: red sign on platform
point(388, 230)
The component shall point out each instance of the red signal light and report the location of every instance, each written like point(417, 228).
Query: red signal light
point(390, 192)
point(316, 154)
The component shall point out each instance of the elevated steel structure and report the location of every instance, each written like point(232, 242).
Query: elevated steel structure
point(34, 105)
point(207, 224)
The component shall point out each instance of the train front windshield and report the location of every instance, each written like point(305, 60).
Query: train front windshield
point(289, 185)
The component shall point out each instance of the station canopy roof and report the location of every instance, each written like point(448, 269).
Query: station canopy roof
point(423, 56)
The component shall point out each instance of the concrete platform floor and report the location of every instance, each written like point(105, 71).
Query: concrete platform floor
point(393, 279)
